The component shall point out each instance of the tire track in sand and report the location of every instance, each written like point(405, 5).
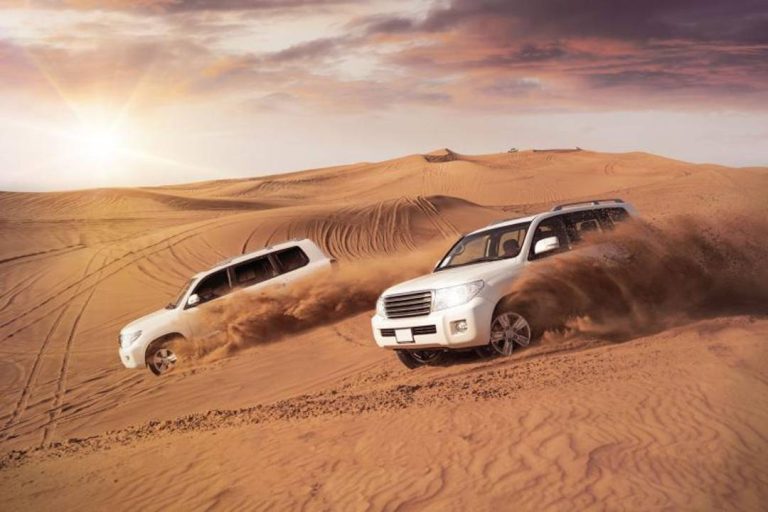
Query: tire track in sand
point(61, 388)
point(23, 401)
point(139, 255)
point(16, 417)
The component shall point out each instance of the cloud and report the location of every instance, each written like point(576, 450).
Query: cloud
point(478, 54)
point(311, 49)
point(170, 6)
point(704, 20)
point(638, 49)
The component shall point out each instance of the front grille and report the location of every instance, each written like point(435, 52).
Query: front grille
point(416, 331)
point(408, 304)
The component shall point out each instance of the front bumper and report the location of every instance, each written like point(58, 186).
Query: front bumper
point(437, 328)
point(133, 355)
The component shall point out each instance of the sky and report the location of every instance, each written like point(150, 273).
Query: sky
point(146, 92)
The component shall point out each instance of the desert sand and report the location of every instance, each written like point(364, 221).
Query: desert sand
point(671, 414)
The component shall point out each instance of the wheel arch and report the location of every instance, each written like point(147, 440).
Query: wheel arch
point(524, 307)
point(160, 339)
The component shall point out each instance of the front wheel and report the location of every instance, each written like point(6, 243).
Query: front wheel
point(161, 358)
point(507, 329)
point(413, 359)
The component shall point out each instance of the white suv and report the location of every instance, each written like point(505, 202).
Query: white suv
point(459, 305)
point(147, 341)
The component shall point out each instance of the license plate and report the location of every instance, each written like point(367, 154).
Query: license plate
point(403, 336)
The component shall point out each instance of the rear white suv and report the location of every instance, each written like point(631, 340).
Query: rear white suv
point(460, 304)
point(148, 340)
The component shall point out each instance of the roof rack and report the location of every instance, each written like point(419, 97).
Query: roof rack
point(589, 202)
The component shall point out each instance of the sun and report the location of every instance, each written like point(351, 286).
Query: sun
point(98, 144)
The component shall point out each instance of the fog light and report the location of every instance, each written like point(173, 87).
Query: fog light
point(459, 327)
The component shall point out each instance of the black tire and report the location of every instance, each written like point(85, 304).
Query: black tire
point(413, 359)
point(160, 357)
point(486, 351)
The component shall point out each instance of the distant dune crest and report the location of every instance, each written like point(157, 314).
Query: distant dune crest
point(441, 155)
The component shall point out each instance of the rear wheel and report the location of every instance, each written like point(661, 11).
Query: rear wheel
point(416, 358)
point(508, 329)
point(160, 357)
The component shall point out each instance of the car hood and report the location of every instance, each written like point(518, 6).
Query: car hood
point(148, 321)
point(490, 272)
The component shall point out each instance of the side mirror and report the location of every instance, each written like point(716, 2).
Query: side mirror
point(193, 300)
point(546, 245)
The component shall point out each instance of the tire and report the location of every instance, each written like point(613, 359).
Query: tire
point(160, 357)
point(413, 359)
point(510, 328)
point(486, 352)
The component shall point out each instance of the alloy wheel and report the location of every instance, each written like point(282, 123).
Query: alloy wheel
point(508, 329)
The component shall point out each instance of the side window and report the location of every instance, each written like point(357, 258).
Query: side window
point(214, 286)
point(605, 220)
point(553, 226)
point(253, 271)
point(609, 217)
point(291, 259)
point(581, 224)
point(617, 214)
point(510, 243)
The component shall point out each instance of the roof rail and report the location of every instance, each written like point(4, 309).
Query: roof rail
point(588, 202)
point(226, 261)
point(230, 259)
point(502, 221)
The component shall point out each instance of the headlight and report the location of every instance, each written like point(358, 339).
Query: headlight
point(456, 295)
point(380, 307)
point(127, 338)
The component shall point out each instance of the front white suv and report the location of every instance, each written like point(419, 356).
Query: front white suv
point(459, 305)
point(148, 340)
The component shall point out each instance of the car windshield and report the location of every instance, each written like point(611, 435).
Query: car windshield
point(489, 245)
point(175, 302)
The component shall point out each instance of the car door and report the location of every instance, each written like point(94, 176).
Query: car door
point(581, 225)
point(211, 288)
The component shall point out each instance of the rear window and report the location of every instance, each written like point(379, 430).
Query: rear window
point(291, 259)
point(253, 271)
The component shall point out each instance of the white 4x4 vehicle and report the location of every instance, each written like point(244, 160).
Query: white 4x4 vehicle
point(459, 305)
point(147, 341)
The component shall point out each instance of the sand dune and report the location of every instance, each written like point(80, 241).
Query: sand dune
point(672, 417)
